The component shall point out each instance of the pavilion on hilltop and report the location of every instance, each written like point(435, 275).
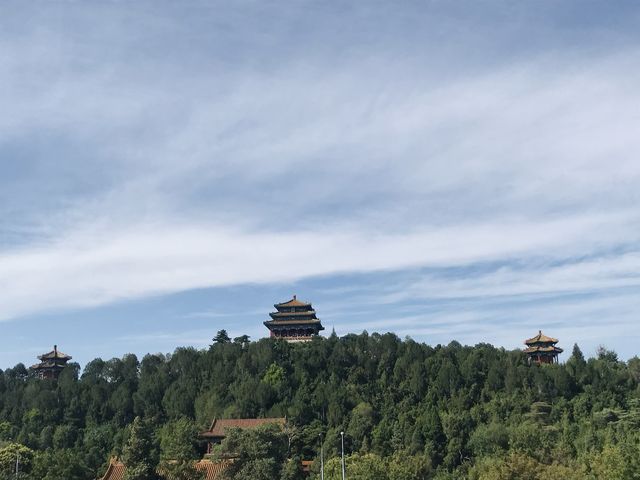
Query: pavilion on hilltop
point(51, 364)
point(294, 321)
point(542, 349)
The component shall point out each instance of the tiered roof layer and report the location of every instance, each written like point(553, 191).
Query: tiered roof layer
point(541, 349)
point(303, 314)
point(49, 364)
point(540, 338)
point(55, 354)
point(294, 302)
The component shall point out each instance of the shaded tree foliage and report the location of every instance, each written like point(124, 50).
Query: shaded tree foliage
point(259, 454)
point(138, 453)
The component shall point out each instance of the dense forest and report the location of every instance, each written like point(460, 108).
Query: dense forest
point(408, 410)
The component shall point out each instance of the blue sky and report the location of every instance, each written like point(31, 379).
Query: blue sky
point(442, 170)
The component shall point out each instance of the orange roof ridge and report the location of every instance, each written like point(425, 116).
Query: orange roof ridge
point(115, 470)
point(210, 469)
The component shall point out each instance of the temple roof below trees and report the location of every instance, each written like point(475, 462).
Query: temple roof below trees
point(115, 470)
point(540, 338)
point(220, 426)
point(211, 470)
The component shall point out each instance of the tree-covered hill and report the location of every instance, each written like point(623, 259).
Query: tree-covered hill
point(408, 410)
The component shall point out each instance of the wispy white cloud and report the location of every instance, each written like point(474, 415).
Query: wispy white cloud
point(106, 266)
point(585, 301)
point(169, 340)
point(536, 279)
point(219, 314)
point(609, 319)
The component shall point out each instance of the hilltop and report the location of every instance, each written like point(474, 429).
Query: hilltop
point(451, 411)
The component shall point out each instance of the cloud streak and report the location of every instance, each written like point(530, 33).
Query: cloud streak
point(106, 266)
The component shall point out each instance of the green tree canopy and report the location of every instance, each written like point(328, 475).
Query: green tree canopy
point(178, 450)
point(138, 454)
point(259, 454)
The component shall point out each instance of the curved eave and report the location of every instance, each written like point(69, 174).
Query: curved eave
point(59, 357)
point(293, 324)
point(543, 350)
point(54, 355)
point(306, 313)
point(46, 366)
point(314, 321)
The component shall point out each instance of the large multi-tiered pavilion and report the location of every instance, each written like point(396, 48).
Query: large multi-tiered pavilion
point(542, 349)
point(51, 364)
point(294, 321)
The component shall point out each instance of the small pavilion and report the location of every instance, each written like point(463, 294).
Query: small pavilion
point(218, 429)
point(51, 364)
point(542, 349)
